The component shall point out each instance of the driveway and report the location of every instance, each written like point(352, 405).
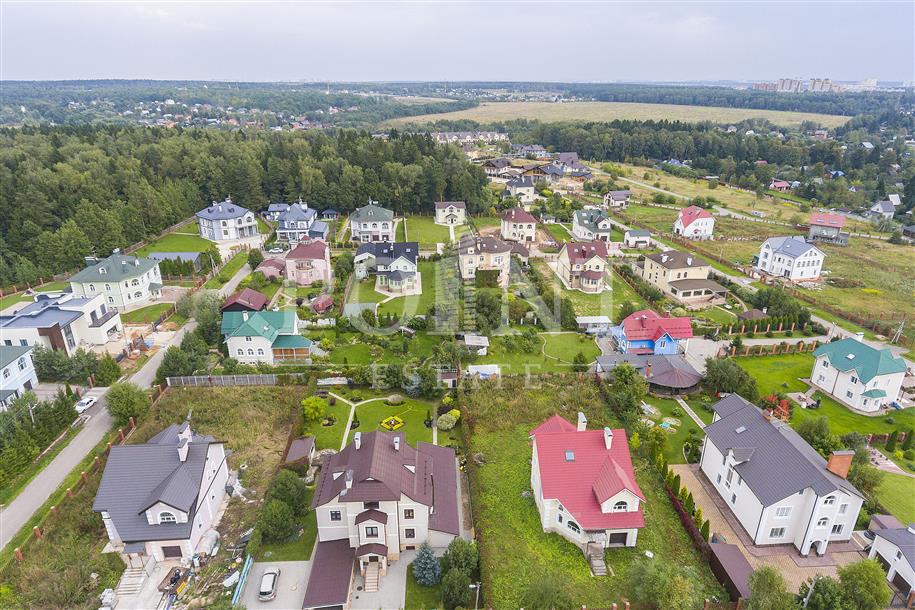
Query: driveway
point(392, 588)
point(291, 591)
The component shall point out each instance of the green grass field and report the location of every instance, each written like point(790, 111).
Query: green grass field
point(558, 232)
point(228, 271)
point(145, 315)
point(896, 494)
point(566, 346)
point(418, 304)
point(420, 597)
point(548, 112)
point(412, 411)
point(176, 242)
point(363, 291)
point(12, 299)
point(330, 437)
point(676, 435)
point(424, 230)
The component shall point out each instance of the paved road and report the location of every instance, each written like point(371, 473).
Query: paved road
point(290, 590)
point(20, 510)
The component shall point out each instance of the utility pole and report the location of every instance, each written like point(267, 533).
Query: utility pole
point(810, 591)
point(476, 603)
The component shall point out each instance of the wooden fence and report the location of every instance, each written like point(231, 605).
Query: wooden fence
point(775, 349)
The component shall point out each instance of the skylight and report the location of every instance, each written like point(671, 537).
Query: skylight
point(570, 456)
point(741, 429)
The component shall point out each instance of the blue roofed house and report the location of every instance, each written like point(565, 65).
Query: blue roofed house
point(61, 321)
point(857, 375)
point(126, 282)
point(226, 221)
point(264, 336)
point(395, 265)
point(295, 223)
point(330, 214)
point(319, 230)
point(274, 210)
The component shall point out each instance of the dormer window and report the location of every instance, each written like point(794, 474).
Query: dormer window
point(102, 271)
point(621, 507)
point(167, 517)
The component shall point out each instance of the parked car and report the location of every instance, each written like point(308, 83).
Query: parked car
point(275, 250)
point(269, 582)
point(85, 404)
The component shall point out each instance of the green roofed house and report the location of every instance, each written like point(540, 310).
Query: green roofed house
point(372, 223)
point(126, 282)
point(858, 375)
point(264, 336)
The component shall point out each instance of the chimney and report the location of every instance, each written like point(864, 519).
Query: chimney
point(839, 462)
point(396, 443)
point(582, 422)
point(357, 440)
point(663, 258)
point(689, 260)
point(116, 251)
point(244, 316)
point(349, 478)
point(608, 438)
point(182, 449)
point(648, 370)
point(765, 309)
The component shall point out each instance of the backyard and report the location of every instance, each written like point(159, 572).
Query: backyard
point(606, 303)
point(424, 230)
point(409, 418)
point(176, 242)
point(228, 271)
point(896, 494)
point(145, 315)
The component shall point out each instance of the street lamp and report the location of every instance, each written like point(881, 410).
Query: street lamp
point(476, 603)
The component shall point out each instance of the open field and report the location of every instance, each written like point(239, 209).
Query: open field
point(608, 111)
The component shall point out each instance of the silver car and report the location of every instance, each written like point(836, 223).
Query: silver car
point(84, 404)
point(269, 582)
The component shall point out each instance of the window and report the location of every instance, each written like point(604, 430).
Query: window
point(573, 526)
point(260, 351)
point(371, 531)
point(829, 501)
point(570, 456)
point(848, 394)
point(898, 555)
point(621, 506)
point(335, 515)
point(408, 513)
point(719, 479)
point(111, 300)
point(409, 533)
point(854, 379)
point(727, 481)
point(91, 287)
point(249, 339)
point(6, 373)
point(733, 498)
point(137, 295)
point(777, 532)
point(250, 352)
point(822, 521)
point(782, 511)
point(167, 517)
point(836, 529)
point(368, 505)
point(843, 508)
point(241, 352)
point(559, 518)
point(135, 282)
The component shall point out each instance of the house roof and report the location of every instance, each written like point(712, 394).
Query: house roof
point(669, 371)
point(579, 252)
point(267, 324)
point(903, 538)
point(310, 250)
point(619, 195)
point(291, 342)
point(115, 268)
point(246, 297)
point(556, 423)
point(139, 476)
point(277, 207)
point(567, 157)
point(479, 245)
point(298, 212)
point(850, 354)
point(331, 575)
point(497, 163)
point(520, 182)
point(371, 514)
point(45, 311)
point(646, 324)
point(884, 207)
point(274, 263)
point(318, 228)
point(793, 246)
point(735, 565)
point(777, 448)
point(593, 475)
point(675, 259)
point(638, 233)
point(822, 219)
point(225, 210)
point(691, 214)
point(518, 215)
point(11, 353)
point(590, 217)
point(752, 314)
point(371, 212)
point(693, 284)
point(385, 252)
point(300, 448)
point(441, 205)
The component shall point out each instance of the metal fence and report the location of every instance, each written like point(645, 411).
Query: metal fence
point(209, 381)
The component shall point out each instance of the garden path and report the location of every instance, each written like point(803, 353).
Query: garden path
point(690, 412)
point(352, 413)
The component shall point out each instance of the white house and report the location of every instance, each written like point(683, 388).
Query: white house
point(776, 485)
point(518, 225)
point(694, 222)
point(883, 209)
point(226, 221)
point(264, 336)
point(484, 253)
point(382, 497)
point(126, 282)
point(159, 500)
point(294, 224)
point(18, 373)
point(450, 212)
point(894, 549)
point(637, 238)
point(61, 321)
point(617, 199)
point(584, 486)
point(858, 375)
point(591, 224)
point(521, 187)
point(395, 265)
point(790, 257)
point(372, 223)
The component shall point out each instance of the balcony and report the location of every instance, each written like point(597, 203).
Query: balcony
point(97, 322)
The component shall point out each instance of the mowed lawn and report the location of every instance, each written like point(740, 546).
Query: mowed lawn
point(412, 411)
point(145, 315)
point(897, 494)
point(424, 230)
point(176, 242)
point(564, 347)
point(548, 112)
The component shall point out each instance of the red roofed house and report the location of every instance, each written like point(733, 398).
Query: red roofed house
point(246, 300)
point(518, 225)
point(694, 223)
point(779, 185)
point(827, 228)
point(309, 262)
point(584, 486)
point(582, 265)
point(272, 268)
point(646, 332)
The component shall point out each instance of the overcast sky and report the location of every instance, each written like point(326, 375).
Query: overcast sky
point(586, 41)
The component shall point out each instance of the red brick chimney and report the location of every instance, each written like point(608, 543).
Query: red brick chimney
point(839, 463)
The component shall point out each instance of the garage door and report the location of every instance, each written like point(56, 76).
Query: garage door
point(171, 552)
point(618, 538)
point(901, 583)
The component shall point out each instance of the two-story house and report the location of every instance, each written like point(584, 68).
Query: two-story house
point(583, 265)
point(790, 257)
point(591, 224)
point(618, 200)
point(294, 224)
point(264, 336)
point(776, 485)
point(647, 332)
point(637, 238)
point(450, 212)
point(226, 221)
point(61, 321)
point(882, 209)
point(379, 497)
point(484, 254)
point(682, 276)
point(159, 500)
point(858, 375)
point(372, 223)
point(894, 550)
point(126, 282)
point(309, 262)
point(394, 265)
point(519, 225)
point(18, 373)
point(827, 228)
point(495, 168)
point(584, 486)
point(694, 222)
point(274, 210)
point(521, 187)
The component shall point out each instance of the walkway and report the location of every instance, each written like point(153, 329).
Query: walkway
point(690, 412)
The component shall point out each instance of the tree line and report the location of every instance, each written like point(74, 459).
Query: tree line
point(69, 192)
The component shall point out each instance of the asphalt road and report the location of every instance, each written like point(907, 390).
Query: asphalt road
point(23, 506)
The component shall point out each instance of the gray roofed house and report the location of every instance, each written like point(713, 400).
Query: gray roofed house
point(226, 221)
point(371, 212)
point(590, 224)
point(372, 223)
point(18, 373)
point(894, 549)
point(666, 374)
point(319, 230)
point(159, 498)
point(793, 245)
point(62, 321)
point(226, 210)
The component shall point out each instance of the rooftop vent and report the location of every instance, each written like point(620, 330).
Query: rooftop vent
point(570, 455)
point(850, 356)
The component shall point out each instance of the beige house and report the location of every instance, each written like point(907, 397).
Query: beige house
point(484, 253)
point(683, 277)
point(519, 225)
point(582, 265)
point(450, 212)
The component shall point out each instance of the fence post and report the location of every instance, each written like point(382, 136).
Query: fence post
point(37, 531)
point(132, 423)
point(18, 552)
point(121, 435)
point(84, 476)
point(54, 510)
point(69, 492)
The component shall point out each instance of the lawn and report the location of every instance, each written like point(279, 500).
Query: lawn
point(677, 434)
point(414, 304)
point(717, 315)
point(424, 230)
point(895, 494)
point(558, 232)
point(486, 222)
point(228, 271)
point(12, 299)
point(606, 303)
point(488, 112)
point(352, 349)
point(330, 436)
point(364, 291)
point(567, 345)
point(420, 597)
point(301, 545)
point(145, 315)
point(412, 411)
point(176, 242)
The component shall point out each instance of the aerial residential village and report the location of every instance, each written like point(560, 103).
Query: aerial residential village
point(594, 376)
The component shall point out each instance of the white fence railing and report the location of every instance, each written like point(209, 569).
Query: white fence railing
point(208, 381)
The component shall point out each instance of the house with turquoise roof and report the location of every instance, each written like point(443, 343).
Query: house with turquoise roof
point(857, 375)
point(264, 336)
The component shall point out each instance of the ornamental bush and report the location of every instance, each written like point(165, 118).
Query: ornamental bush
point(426, 568)
point(446, 421)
